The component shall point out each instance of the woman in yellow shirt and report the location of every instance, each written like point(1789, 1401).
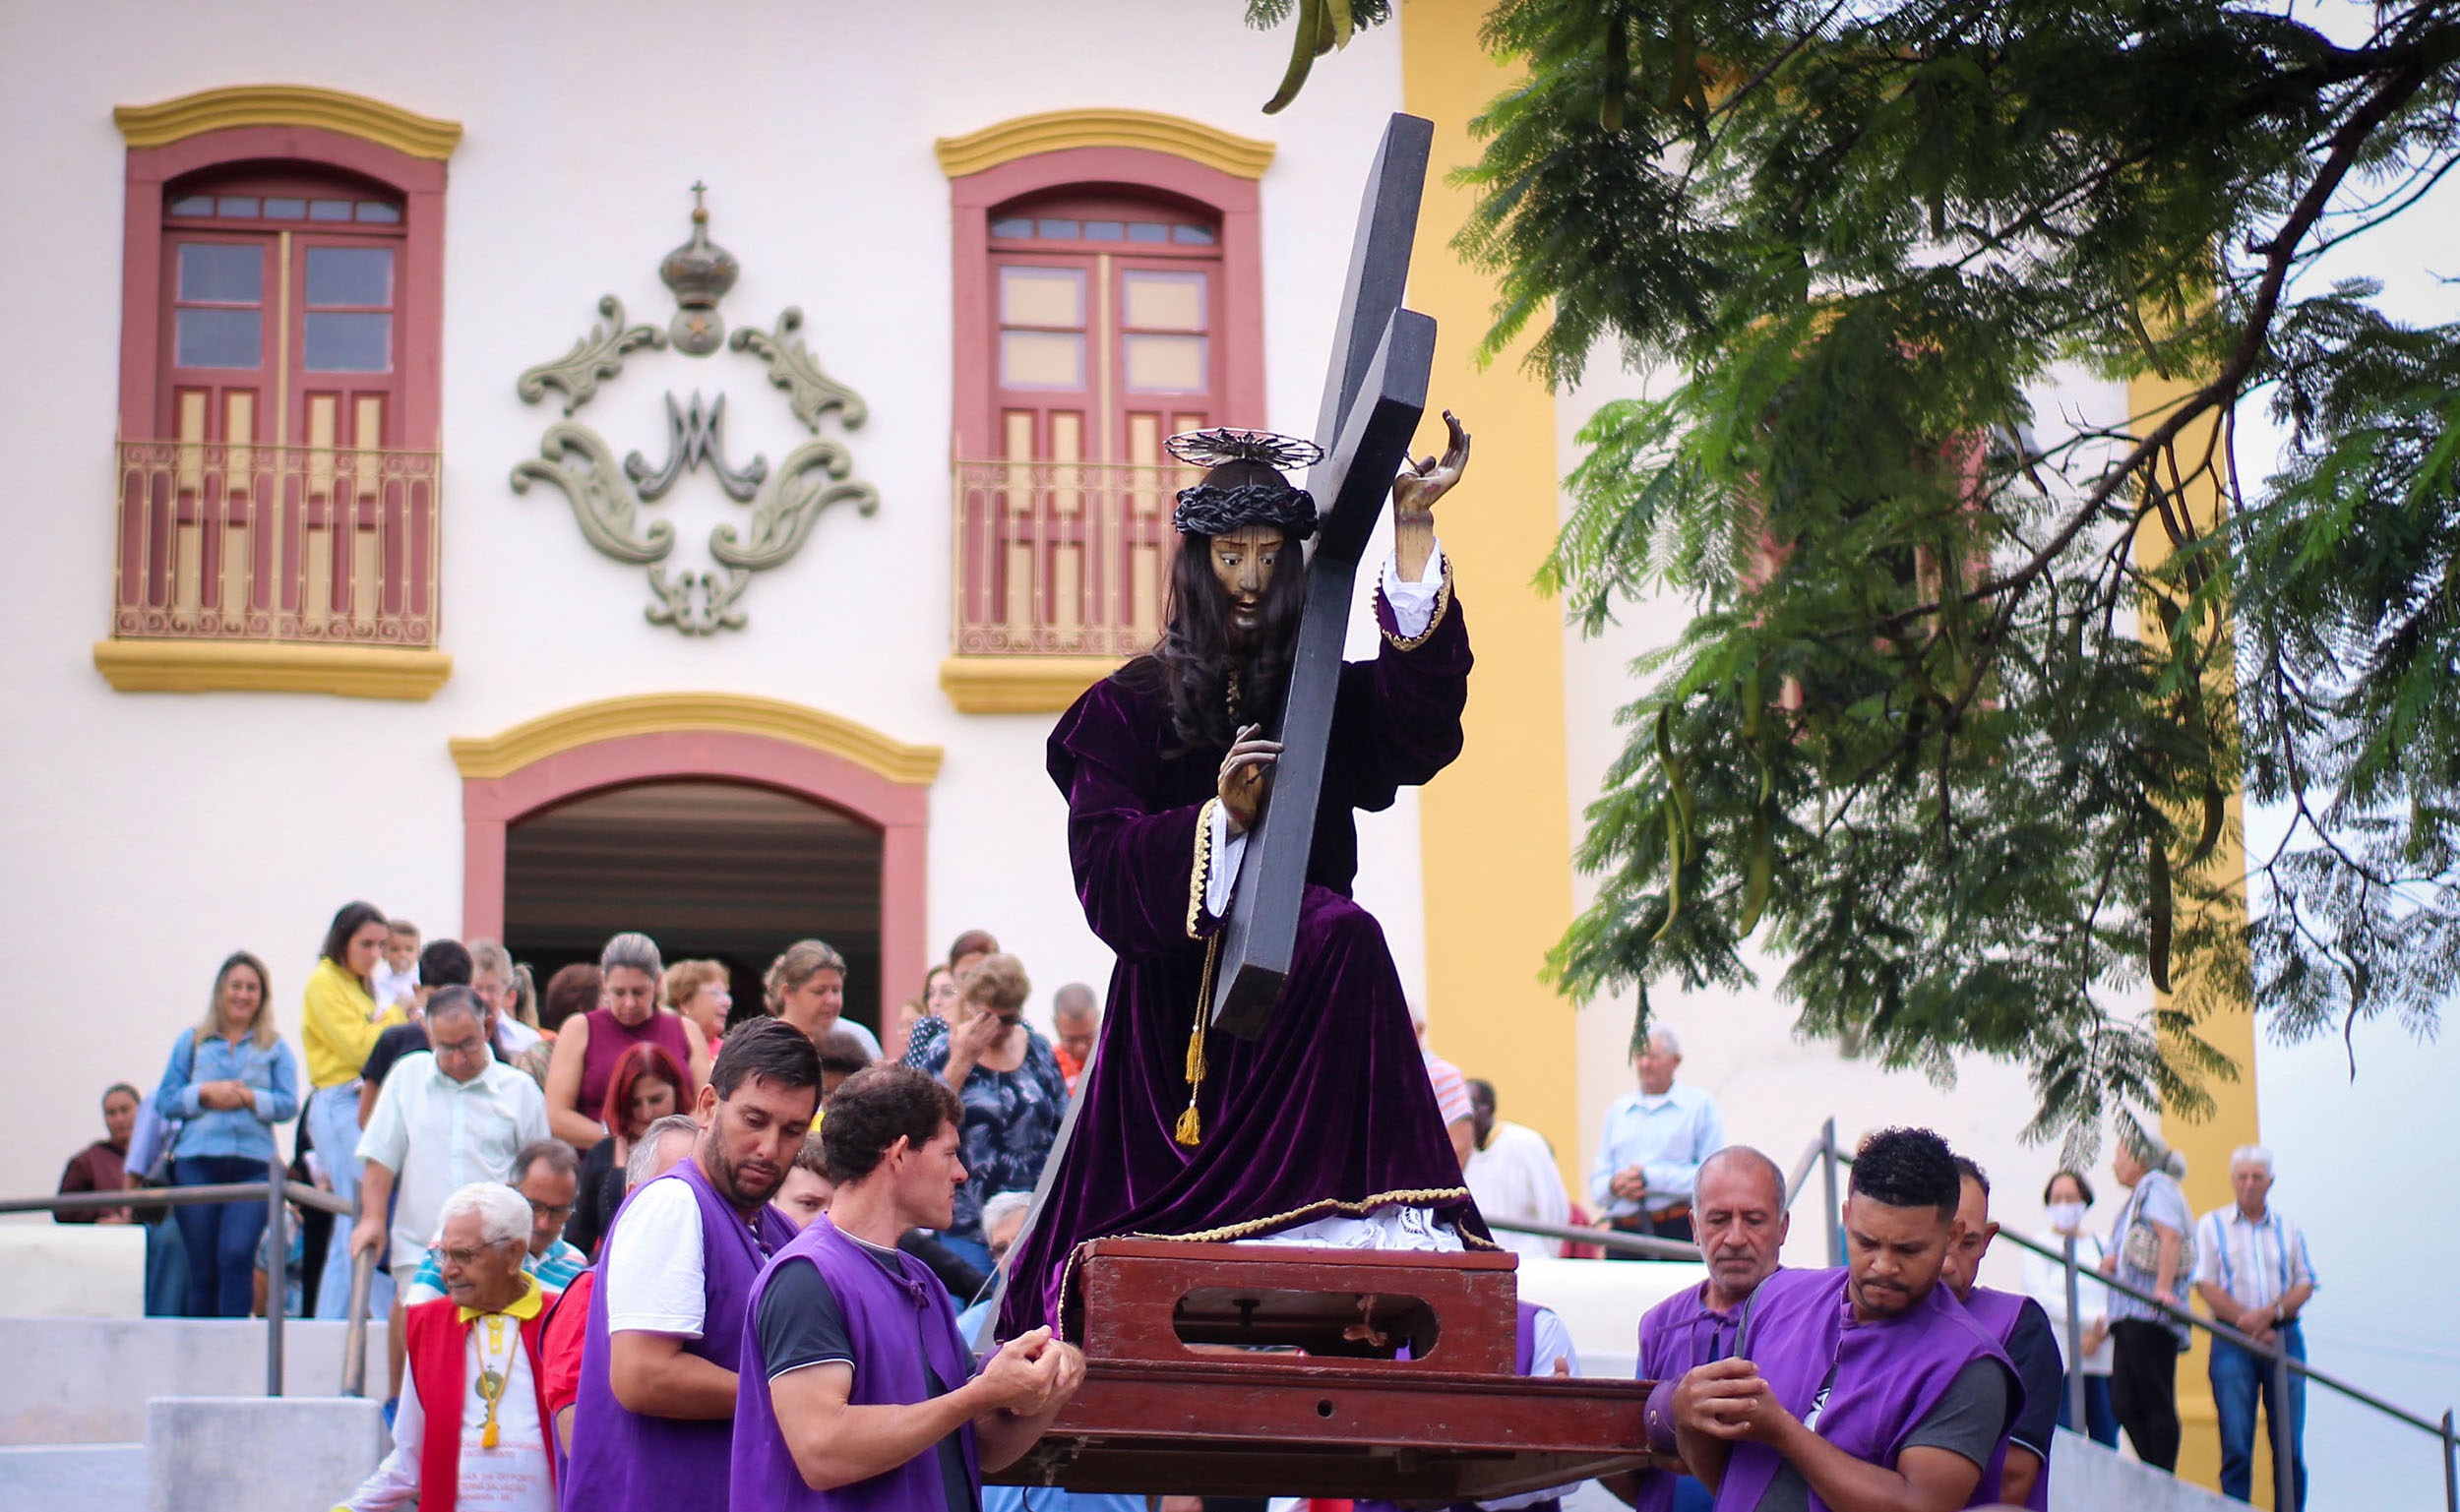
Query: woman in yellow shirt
point(339, 1024)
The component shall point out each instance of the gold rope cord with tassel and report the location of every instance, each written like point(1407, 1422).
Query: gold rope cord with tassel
point(1191, 1129)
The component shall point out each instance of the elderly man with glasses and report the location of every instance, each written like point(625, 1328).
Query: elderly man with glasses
point(448, 1115)
point(548, 1174)
point(473, 1424)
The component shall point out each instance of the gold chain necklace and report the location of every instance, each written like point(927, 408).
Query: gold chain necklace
point(492, 1376)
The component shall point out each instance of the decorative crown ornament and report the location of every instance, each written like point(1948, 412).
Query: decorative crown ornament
point(699, 271)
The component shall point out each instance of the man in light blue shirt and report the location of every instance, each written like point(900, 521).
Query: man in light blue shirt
point(1654, 1143)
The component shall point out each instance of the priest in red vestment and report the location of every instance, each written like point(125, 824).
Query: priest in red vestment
point(471, 1435)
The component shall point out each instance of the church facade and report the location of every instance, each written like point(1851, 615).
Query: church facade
point(564, 468)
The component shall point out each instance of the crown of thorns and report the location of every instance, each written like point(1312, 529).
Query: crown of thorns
point(1212, 509)
point(1225, 444)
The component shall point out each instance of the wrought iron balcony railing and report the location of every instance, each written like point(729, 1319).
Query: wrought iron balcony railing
point(243, 542)
point(1061, 559)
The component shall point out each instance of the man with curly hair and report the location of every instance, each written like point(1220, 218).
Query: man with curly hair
point(1863, 1389)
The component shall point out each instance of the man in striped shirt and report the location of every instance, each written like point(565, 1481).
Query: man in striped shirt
point(2253, 1271)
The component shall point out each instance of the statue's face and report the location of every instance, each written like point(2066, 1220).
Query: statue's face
point(1242, 564)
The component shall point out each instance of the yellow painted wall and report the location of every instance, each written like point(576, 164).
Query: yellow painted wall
point(2206, 1142)
point(1496, 829)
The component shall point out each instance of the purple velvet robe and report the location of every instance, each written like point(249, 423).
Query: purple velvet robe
point(893, 1325)
point(1523, 1355)
point(1676, 1335)
point(623, 1461)
point(1997, 1313)
point(1330, 1110)
point(1883, 1378)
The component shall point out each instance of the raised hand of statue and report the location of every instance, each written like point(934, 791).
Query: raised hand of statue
point(1245, 779)
point(1414, 492)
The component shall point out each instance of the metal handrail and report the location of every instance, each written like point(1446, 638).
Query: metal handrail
point(1824, 1150)
point(1647, 1247)
point(277, 1192)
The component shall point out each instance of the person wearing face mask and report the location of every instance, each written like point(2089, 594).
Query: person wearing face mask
point(1009, 1080)
point(2068, 1197)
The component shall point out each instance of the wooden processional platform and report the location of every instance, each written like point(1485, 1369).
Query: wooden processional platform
point(1259, 1371)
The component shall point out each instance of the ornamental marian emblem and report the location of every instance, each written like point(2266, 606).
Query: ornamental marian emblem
point(607, 497)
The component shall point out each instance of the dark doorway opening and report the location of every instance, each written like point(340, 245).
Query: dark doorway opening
point(722, 871)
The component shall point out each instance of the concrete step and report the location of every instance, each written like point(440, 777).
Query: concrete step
point(99, 1373)
point(91, 1477)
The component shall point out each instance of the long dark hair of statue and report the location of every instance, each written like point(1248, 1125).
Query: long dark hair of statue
point(1192, 661)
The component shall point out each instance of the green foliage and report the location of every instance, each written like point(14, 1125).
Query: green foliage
point(1942, 729)
point(1323, 25)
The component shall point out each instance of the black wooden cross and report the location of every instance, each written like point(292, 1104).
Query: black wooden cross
point(1375, 391)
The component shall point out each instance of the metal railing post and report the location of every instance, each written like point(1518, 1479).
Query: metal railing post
point(2077, 1413)
point(1827, 1184)
point(2451, 1466)
point(2284, 1424)
point(277, 1269)
point(354, 1332)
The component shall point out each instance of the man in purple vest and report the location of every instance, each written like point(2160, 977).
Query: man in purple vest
point(1738, 1211)
point(857, 1392)
point(653, 1427)
point(2020, 1476)
point(1541, 1347)
point(1865, 1389)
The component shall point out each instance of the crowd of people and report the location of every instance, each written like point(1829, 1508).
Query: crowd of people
point(505, 1148)
point(1917, 1224)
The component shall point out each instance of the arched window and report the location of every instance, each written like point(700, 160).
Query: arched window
point(1106, 297)
point(279, 388)
point(282, 288)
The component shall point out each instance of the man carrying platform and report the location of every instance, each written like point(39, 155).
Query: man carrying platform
point(856, 1389)
point(1741, 1222)
point(1865, 1389)
point(654, 1428)
point(2020, 1474)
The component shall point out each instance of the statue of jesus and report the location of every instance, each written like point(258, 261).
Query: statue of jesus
point(1324, 1129)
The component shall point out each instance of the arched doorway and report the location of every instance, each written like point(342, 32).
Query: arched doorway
point(675, 779)
point(709, 870)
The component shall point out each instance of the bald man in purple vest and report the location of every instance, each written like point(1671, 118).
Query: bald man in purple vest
point(1738, 1213)
point(2020, 1476)
point(653, 1427)
point(1865, 1389)
point(858, 1394)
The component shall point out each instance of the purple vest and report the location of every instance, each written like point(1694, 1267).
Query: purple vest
point(1676, 1336)
point(1997, 1313)
point(1883, 1378)
point(624, 1460)
point(894, 1324)
point(1523, 1355)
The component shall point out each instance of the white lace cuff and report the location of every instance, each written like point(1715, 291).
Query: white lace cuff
point(1223, 877)
point(1413, 603)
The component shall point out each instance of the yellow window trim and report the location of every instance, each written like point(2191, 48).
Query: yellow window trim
point(669, 713)
point(270, 666)
point(1058, 130)
point(1020, 684)
point(288, 105)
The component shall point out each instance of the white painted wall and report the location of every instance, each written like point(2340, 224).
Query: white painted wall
point(142, 837)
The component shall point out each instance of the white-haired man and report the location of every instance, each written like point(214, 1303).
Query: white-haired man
point(1655, 1137)
point(2253, 1271)
point(472, 1423)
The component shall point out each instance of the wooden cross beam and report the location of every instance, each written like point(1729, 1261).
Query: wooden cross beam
point(1375, 391)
